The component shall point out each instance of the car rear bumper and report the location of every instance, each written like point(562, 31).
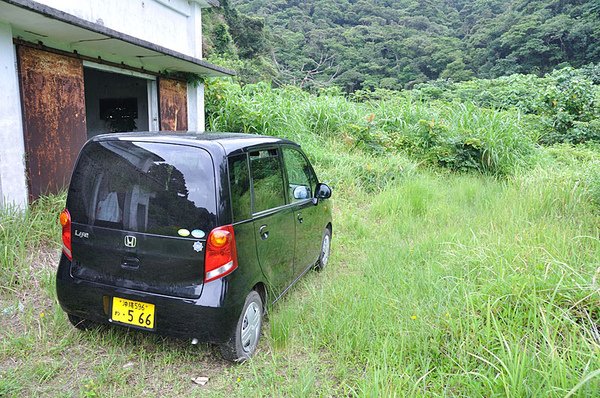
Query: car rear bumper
point(208, 318)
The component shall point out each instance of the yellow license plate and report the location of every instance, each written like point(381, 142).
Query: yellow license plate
point(133, 313)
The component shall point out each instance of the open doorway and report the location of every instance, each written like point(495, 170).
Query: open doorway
point(116, 102)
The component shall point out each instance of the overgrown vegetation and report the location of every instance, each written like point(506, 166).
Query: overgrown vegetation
point(22, 233)
point(465, 257)
point(238, 41)
point(491, 126)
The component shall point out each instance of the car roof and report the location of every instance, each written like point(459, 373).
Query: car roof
point(230, 143)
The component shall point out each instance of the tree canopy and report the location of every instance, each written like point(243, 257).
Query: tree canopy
point(366, 44)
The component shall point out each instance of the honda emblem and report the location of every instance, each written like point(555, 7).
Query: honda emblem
point(130, 241)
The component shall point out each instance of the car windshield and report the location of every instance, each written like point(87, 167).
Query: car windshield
point(144, 187)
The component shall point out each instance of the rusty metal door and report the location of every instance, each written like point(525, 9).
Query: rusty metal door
point(53, 102)
point(172, 97)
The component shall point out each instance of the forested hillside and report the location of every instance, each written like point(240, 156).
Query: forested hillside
point(358, 44)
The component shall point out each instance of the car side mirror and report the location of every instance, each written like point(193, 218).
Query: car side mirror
point(323, 191)
point(301, 192)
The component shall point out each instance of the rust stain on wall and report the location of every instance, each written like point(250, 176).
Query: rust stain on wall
point(53, 101)
point(172, 95)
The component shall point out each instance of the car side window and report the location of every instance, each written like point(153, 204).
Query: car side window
point(239, 186)
point(267, 179)
point(301, 179)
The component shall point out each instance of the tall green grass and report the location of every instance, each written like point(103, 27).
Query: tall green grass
point(439, 284)
point(459, 136)
point(24, 232)
point(456, 285)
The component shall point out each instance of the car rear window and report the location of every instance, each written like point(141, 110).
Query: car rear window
point(144, 187)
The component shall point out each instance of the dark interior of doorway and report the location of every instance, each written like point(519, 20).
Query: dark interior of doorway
point(115, 102)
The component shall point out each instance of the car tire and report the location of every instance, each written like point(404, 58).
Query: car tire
point(244, 340)
point(80, 323)
point(325, 251)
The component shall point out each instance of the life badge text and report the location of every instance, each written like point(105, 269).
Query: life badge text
point(81, 234)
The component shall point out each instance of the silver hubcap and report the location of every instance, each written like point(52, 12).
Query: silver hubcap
point(251, 327)
point(325, 251)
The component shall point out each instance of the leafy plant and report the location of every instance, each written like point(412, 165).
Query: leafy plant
point(570, 108)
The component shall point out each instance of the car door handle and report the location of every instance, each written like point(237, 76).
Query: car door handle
point(300, 218)
point(263, 232)
point(130, 263)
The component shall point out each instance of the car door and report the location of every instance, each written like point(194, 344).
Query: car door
point(273, 219)
point(308, 217)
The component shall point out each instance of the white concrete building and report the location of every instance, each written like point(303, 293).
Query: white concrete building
point(71, 69)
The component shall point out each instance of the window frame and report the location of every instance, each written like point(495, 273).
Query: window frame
point(283, 169)
point(285, 174)
point(283, 178)
point(251, 189)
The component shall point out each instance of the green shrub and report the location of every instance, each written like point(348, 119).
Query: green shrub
point(570, 109)
point(567, 100)
point(508, 92)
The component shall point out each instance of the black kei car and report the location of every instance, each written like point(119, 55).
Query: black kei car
point(189, 235)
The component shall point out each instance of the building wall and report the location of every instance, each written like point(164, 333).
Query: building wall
point(13, 185)
point(174, 24)
point(195, 104)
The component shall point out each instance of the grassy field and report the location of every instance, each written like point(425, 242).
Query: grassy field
point(439, 284)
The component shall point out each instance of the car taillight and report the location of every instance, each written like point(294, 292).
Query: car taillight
point(221, 253)
point(65, 221)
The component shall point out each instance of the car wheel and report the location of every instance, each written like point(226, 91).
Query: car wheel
point(244, 340)
point(325, 251)
point(80, 323)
